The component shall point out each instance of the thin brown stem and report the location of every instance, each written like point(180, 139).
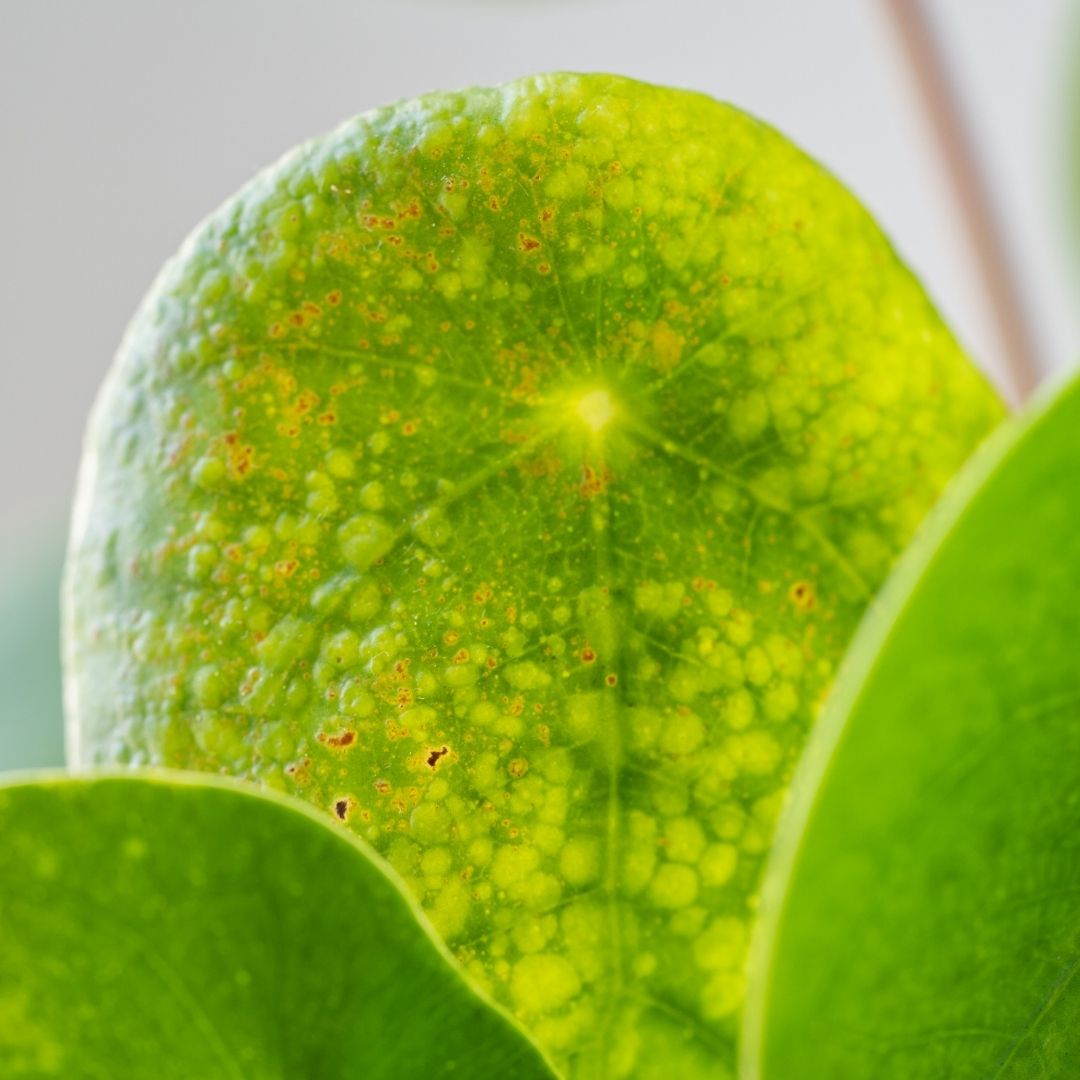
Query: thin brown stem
point(970, 190)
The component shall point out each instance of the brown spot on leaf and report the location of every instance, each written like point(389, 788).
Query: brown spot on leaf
point(801, 594)
point(299, 771)
point(338, 742)
point(594, 481)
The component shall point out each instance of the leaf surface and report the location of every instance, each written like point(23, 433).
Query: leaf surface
point(505, 474)
point(172, 927)
point(922, 915)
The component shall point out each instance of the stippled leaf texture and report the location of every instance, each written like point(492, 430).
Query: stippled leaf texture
point(505, 473)
point(171, 926)
point(921, 916)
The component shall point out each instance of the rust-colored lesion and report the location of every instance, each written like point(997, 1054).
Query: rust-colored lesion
point(594, 481)
point(436, 755)
point(802, 595)
point(667, 346)
point(341, 741)
point(299, 772)
point(241, 456)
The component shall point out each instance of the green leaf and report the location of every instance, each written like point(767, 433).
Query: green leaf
point(176, 927)
point(505, 473)
point(31, 714)
point(922, 916)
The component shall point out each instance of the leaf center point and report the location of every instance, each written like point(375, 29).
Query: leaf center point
point(596, 409)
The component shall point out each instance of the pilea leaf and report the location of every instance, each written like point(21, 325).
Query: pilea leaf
point(505, 473)
point(921, 916)
point(174, 926)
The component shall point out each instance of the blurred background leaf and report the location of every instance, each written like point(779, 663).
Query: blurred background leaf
point(920, 914)
point(31, 718)
point(234, 934)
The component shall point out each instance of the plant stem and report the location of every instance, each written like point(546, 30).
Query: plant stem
point(971, 192)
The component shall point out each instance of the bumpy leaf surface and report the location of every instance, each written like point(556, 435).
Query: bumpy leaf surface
point(505, 473)
point(170, 927)
point(923, 918)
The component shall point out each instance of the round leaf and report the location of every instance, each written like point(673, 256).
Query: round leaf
point(922, 917)
point(505, 473)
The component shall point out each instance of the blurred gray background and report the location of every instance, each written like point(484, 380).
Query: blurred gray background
point(123, 122)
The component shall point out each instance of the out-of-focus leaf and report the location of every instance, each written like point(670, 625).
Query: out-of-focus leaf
point(165, 927)
point(922, 915)
point(31, 718)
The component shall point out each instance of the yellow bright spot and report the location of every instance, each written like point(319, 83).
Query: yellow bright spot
point(596, 409)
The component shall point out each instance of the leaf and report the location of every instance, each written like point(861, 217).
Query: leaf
point(923, 917)
point(31, 715)
point(505, 473)
point(175, 927)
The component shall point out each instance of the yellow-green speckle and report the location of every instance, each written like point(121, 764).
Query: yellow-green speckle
point(674, 886)
point(542, 983)
point(579, 860)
